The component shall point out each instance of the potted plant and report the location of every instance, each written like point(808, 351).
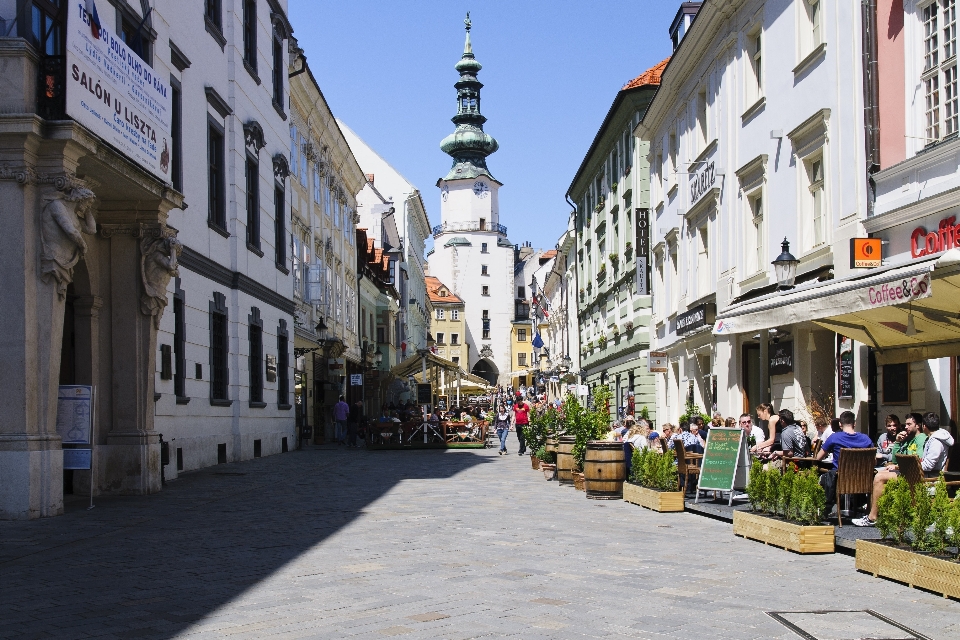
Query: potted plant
point(653, 481)
point(613, 187)
point(627, 170)
point(616, 331)
point(691, 411)
point(602, 341)
point(917, 529)
point(628, 326)
point(599, 207)
point(547, 462)
point(590, 345)
point(786, 510)
point(628, 250)
point(614, 259)
point(602, 272)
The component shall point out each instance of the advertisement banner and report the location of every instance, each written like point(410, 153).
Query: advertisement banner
point(115, 94)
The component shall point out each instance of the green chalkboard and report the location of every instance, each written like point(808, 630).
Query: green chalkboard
point(718, 470)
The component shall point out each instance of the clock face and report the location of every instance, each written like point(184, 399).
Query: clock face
point(480, 188)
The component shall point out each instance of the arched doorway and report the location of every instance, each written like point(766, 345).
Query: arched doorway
point(487, 370)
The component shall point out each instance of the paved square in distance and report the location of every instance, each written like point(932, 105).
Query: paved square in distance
point(327, 543)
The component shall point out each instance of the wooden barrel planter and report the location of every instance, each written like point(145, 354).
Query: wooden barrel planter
point(604, 470)
point(534, 462)
point(551, 445)
point(565, 459)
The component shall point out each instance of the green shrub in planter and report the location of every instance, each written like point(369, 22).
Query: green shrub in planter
point(655, 470)
point(895, 510)
point(922, 518)
point(543, 455)
point(786, 495)
point(954, 524)
point(940, 511)
point(797, 496)
point(757, 486)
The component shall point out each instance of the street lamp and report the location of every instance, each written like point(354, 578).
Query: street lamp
point(786, 267)
point(566, 363)
point(377, 359)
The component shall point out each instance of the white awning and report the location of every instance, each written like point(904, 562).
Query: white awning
point(874, 308)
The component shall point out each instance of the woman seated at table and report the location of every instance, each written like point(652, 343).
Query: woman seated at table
point(692, 438)
point(765, 414)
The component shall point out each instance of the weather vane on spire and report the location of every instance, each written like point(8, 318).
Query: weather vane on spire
point(467, 21)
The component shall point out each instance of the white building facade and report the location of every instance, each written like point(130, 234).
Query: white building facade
point(472, 254)
point(755, 137)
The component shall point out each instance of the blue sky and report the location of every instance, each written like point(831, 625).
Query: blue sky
point(550, 72)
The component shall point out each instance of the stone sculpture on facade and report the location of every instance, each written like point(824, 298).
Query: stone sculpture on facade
point(158, 263)
point(66, 216)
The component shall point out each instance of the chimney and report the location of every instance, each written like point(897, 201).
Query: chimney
point(370, 178)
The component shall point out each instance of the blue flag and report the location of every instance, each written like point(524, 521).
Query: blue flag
point(537, 341)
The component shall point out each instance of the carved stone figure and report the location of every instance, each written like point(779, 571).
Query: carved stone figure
point(158, 263)
point(67, 215)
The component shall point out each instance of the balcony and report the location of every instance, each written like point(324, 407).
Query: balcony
point(454, 227)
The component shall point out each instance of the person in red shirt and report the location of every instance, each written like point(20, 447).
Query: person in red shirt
point(521, 418)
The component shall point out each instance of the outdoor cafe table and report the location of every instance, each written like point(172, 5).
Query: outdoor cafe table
point(808, 463)
point(464, 431)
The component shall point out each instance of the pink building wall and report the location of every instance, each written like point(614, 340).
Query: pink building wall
point(890, 63)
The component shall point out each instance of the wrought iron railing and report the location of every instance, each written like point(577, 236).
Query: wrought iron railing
point(453, 227)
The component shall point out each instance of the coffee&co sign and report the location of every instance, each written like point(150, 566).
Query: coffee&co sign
point(946, 237)
point(703, 182)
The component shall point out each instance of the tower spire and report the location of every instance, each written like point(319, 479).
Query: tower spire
point(468, 145)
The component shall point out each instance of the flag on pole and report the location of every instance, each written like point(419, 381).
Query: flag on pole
point(94, 18)
point(537, 341)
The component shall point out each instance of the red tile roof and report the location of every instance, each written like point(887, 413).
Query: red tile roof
point(649, 77)
point(433, 291)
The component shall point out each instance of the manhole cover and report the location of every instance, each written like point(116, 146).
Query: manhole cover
point(844, 625)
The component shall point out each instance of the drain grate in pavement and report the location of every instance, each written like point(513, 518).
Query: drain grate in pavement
point(844, 625)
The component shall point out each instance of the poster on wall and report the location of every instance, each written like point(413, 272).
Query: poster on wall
point(74, 413)
point(845, 383)
point(114, 93)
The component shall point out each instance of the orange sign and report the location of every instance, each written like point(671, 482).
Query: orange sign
point(865, 253)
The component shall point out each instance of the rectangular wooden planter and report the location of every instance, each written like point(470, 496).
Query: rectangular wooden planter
point(790, 536)
point(915, 569)
point(663, 501)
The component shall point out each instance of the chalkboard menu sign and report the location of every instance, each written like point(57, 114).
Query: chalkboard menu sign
point(721, 459)
point(896, 383)
point(781, 358)
point(424, 394)
point(845, 382)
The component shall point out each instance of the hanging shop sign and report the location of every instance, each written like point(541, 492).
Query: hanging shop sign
point(114, 93)
point(946, 237)
point(781, 358)
point(699, 316)
point(703, 182)
point(865, 253)
point(657, 362)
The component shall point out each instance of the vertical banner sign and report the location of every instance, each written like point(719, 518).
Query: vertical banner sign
point(115, 94)
point(643, 251)
point(722, 459)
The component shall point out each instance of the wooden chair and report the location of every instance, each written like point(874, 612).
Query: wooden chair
point(910, 469)
point(687, 464)
point(855, 473)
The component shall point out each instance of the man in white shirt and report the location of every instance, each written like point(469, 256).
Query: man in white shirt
point(746, 424)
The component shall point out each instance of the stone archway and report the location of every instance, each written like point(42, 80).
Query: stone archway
point(487, 370)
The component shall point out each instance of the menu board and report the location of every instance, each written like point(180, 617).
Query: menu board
point(845, 380)
point(721, 459)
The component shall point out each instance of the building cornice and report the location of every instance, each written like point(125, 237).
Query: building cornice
point(212, 270)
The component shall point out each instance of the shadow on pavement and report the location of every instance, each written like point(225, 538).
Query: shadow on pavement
point(149, 566)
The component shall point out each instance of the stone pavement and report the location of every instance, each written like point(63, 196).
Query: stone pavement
point(327, 543)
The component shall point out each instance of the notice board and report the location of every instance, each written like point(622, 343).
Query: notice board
point(723, 457)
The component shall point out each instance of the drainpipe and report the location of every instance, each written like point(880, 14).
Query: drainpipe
point(871, 97)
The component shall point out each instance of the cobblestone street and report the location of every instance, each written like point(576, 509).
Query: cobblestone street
point(327, 543)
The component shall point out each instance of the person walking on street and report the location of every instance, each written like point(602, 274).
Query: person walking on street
point(341, 412)
point(521, 418)
point(502, 424)
point(354, 420)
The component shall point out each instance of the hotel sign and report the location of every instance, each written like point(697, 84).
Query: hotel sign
point(700, 316)
point(703, 182)
point(115, 94)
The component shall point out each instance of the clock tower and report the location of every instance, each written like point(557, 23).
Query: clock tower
point(472, 254)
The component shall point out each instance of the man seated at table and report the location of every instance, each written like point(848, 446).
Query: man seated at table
point(690, 437)
point(936, 445)
point(846, 438)
point(886, 440)
point(793, 440)
point(911, 440)
point(750, 429)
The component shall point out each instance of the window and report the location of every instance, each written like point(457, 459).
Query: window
point(940, 70)
point(218, 347)
point(673, 159)
point(381, 335)
point(814, 31)
point(756, 256)
point(521, 359)
point(703, 262)
point(456, 359)
point(317, 183)
point(483, 247)
point(212, 13)
point(253, 203)
point(521, 335)
point(45, 31)
point(279, 227)
point(484, 290)
point(250, 34)
point(483, 270)
point(216, 205)
point(455, 314)
point(303, 160)
point(176, 135)
point(179, 345)
point(454, 338)
point(283, 366)
point(439, 313)
point(486, 314)
point(702, 120)
point(294, 151)
point(440, 338)
point(755, 52)
point(483, 224)
point(521, 292)
point(816, 233)
point(278, 73)
point(256, 356)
